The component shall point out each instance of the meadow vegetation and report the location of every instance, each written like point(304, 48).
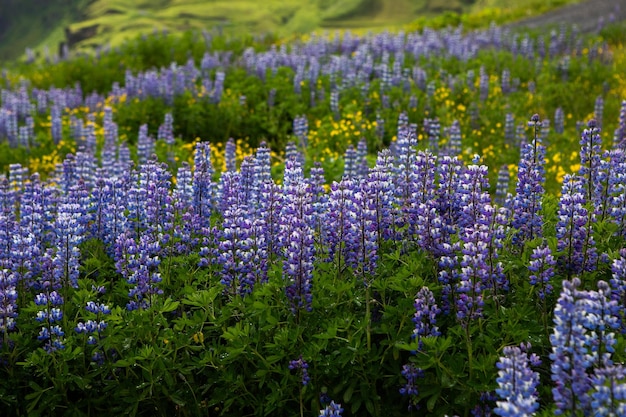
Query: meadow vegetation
point(401, 223)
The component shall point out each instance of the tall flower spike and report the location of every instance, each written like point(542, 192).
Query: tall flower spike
point(331, 410)
point(529, 189)
point(618, 287)
point(379, 189)
point(591, 171)
point(517, 384)
point(339, 220)
point(50, 303)
point(302, 366)
point(230, 153)
point(573, 229)
point(425, 222)
point(362, 242)
point(411, 373)
point(362, 167)
point(296, 234)
point(316, 183)
point(502, 186)
point(350, 163)
point(542, 270)
point(425, 317)
point(569, 353)
point(204, 189)
point(609, 391)
point(8, 303)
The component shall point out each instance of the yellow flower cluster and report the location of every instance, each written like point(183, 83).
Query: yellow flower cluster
point(218, 151)
point(46, 164)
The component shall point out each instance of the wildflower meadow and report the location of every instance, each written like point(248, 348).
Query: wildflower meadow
point(419, 223)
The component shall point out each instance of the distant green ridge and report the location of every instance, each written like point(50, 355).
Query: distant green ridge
point(87, 24)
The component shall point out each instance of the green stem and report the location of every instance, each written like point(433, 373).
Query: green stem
point(301, 403)
point(470, 356)
point(368, 317)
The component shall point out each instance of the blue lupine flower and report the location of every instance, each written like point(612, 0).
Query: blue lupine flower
point(362, 238)
point(230, 152)
point(455, 139)
point(301, 130)
point(411, 373)
point(270, 205)
point(339, 218)
point(591, 170)
point(204, 189)
point(529, 189)
point(145, 144)
point(138, 263)
point(296, 237)
point(50, 314)
point(485, 405)
point(425, 223)
point(502, 186)
point(94, 327)
point(242, 251)
point(362, 167)
point(350, 163)
point(517, 384)
point(331, 410)
point(618, 287)
point(542, 267)
point(573, 229)
point(166, 130)
point(316, 182)
point(379, 189)
point(570, 356)
point(302, 366)
point(617, 189)
point(8, 303)
point(609, 391)
point(559, 121)
point(425, 317)
point(263, 164)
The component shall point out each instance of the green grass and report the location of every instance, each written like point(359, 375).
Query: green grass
point(120, 20)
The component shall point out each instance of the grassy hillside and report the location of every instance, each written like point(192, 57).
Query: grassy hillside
point(92, 23)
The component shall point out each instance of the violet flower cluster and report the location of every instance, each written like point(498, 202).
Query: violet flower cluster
point(541, 267)
point(93, 328)
point(529, 189)
point(573, 229)
point(296, 238)
point(583, 342)
point(517, 383)
point(50, 316)
point(591, 173)
point(411, 374)
point(331, 410)
point(425, 317)
point(302, 366)
point(8, 303)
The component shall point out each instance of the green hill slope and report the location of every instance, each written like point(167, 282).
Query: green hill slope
point(85, 24)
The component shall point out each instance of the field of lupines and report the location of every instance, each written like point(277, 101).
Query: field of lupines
point(422, 223)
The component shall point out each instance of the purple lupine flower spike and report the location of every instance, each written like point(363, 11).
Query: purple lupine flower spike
point(542, 270)
point(592, 171)
point(517, 384)
point(411, 373)
point(8, 303)
point(331, 410)
point(573, 229)
point(425, 317)
point(527, 202)
point(302, 366)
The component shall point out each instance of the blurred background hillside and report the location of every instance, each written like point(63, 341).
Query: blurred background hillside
point(50, 26)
